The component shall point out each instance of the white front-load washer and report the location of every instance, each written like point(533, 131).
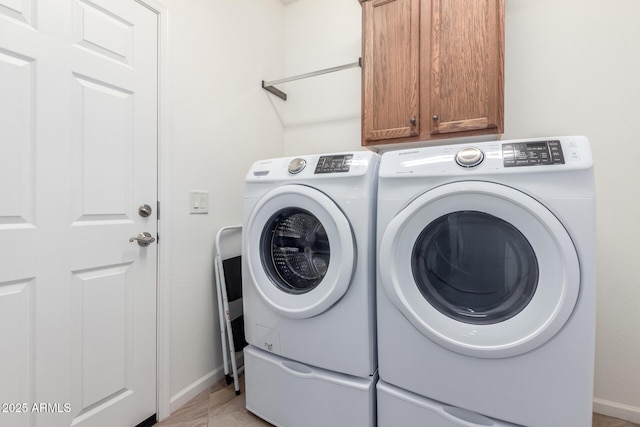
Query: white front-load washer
point(486, 282)
point(309, 272)
point(309, 259)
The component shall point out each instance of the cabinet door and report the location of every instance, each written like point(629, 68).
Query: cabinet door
point(391, 34)
point(467, 71)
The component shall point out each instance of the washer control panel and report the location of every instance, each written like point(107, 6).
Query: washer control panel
point(334, 163)
point(534, 153)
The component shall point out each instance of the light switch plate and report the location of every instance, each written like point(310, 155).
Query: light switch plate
point(198, 202)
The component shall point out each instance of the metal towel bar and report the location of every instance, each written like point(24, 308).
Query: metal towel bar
point(269, 86)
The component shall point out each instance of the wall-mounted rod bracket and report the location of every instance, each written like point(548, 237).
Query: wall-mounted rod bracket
point(269, 86)
point(274, 90)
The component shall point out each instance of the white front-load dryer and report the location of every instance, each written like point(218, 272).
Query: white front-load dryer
point(309, 260)
point(486, 282)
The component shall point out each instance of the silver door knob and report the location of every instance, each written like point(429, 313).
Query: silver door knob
point(143, 239)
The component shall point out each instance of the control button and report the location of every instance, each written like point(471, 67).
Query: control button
point(507, 152)
point(296, 165)
point(469, 157)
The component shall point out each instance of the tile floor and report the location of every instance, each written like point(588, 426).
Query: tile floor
point(220, 407)
point(216, 407)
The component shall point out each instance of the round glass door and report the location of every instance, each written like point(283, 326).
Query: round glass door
point(480, 268)
point(474, 267)
point(295, 250)
point(300, 251)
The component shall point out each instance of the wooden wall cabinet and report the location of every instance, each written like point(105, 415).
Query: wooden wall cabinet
point(431, 69)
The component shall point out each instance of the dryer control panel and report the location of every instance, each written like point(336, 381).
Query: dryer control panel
point(532, 153)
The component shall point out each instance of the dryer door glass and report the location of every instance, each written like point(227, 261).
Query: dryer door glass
point(474, 267)
point(295, 250)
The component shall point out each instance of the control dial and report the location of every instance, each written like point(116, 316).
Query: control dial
point(469, 157)
point(296, 165)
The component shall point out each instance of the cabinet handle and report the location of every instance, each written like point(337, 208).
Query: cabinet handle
point(412, 121)
point(435, 118)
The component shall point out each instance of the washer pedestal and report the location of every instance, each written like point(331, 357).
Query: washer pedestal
point(288, 393)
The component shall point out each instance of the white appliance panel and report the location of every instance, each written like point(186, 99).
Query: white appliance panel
point(397, 407)
point(309, 295)
point(532, 368)
point(288, 393)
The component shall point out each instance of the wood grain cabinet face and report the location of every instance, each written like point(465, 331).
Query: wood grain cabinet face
point(391, 74)
point(432, 69)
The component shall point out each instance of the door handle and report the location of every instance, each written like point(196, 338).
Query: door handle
point(143, 239)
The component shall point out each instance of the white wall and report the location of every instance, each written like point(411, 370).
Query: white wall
point(219, 121)
point(322, 113)
point(572, 67)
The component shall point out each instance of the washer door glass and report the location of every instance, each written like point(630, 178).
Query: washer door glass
point(295, 250)
point(474, 267)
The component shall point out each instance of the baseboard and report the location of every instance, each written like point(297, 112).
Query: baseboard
point(192, 390)
point(617, 410)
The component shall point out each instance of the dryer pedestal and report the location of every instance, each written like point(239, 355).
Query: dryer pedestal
point(398, 407)
point(287, 393)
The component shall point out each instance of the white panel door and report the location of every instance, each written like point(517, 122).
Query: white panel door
point(78, 155)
